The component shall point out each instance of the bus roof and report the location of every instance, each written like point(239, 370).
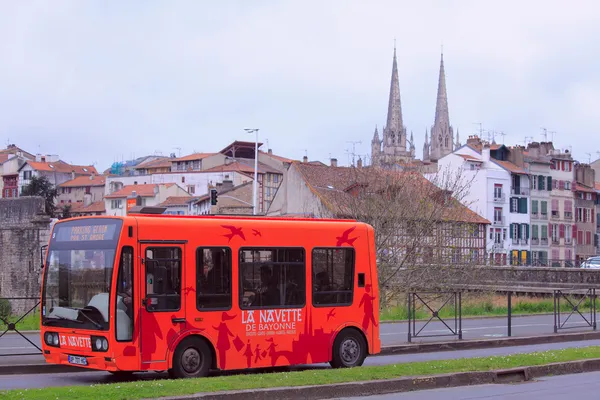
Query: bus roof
point(239, 217)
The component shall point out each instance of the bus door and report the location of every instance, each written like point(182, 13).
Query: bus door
point(163, 310)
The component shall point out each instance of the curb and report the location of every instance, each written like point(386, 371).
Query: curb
point(43, 368)
point(404, 384)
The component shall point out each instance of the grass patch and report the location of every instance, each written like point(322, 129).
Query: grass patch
point(163, 387)
point(31, 322)
point(483, 305)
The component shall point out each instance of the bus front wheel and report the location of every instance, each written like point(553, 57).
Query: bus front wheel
point(192, 359)
point(349, 349)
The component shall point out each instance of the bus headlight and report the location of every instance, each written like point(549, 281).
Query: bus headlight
point(51, 339)
point(99, 343)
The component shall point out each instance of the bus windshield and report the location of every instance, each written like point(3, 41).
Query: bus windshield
point(78, 276)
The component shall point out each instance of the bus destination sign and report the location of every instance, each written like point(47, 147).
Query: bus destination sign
point(85, 232)
point(89, 232)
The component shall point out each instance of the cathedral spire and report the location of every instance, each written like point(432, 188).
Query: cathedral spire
point(394, 116)
point(376, 136)
point(441, 107)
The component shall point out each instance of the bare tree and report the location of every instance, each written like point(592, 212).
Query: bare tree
point(424, 233)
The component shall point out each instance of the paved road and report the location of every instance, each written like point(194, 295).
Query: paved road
point(391, 334)
point(585, 385)
point(88, 378)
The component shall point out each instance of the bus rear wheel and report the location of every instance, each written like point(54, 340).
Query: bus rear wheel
point(349, 349)
point(192, 359)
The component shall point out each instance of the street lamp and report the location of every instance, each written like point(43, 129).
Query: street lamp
point(255, 183)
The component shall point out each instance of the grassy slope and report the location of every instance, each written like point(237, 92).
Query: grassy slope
point(161, 388)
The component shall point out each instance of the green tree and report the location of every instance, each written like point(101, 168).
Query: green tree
point(66, 211)
point(41, 186)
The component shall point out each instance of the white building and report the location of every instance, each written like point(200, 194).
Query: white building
point(54, 169)
point(119, 202)
point(498, 190)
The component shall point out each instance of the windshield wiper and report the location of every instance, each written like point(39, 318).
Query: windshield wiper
point(96, 324)
point(60, 318)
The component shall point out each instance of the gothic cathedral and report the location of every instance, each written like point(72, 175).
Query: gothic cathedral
point(439, 141)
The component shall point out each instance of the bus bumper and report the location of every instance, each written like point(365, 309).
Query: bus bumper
point(96, 362)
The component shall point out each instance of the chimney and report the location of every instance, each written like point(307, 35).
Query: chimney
point(305, 159)
point(334, 162)
point(359, 163)
point(485, 153)
point(474, 141)
point(270, 152)
point(72, 175)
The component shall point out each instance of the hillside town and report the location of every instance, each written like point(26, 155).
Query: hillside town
point(526, 205)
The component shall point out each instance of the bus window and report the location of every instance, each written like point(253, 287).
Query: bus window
point(213, 279)
point(272, 278)
point(333, 276)
point(124, 311)
point(163, 278)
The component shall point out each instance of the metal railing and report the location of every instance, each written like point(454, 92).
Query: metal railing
point(11, 325)
point(455, 297)
point(574, 308)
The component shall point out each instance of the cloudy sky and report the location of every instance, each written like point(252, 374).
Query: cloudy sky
point(97, 81)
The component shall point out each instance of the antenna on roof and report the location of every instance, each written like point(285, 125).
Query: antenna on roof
point(552, 132)
point(354, 148)
point(480, 128)
point(502, 134)
point(178, 150)
point(589, 158)
point(525, 141)
point(545, 134)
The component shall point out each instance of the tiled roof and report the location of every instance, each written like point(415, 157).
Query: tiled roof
point(239, 166)
point(82, 181)
point(333, 184)
point(584, 188)
point(4, 158)
point(79, 208)
point(63, 167)
point(175, 201)
point(469, 157)
point(194, 157)
point(280, 158)
point(160, 163)
point(146, 190)
point(507, 165)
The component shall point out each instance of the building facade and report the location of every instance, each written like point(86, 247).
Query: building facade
point(562, 229)
point(118, 203)
point(585, 213)
point(84, 189)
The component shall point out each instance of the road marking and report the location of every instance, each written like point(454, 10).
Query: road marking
point(18, 348)
point(480, 328)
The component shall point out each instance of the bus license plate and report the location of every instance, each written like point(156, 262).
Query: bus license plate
point(77, 360)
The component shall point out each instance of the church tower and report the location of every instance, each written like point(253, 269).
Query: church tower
point(442, 134)
point(376, 149)
point(394, 137)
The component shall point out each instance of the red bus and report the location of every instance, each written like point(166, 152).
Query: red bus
point(189, 294)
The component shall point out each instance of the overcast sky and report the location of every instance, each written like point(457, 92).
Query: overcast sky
point(98, 81)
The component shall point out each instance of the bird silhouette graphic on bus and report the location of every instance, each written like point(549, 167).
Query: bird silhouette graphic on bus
point(256, 232)
point(367, 300)
point(233, 232)
point(345, 238)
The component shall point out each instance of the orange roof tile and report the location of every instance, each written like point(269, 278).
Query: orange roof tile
point(238, 166)
point(507, 165)
point(469, 157)
point(333, 184)
point(160, 163)
point(79, 208)
point(175, 201)
point(280, 158)
point(83, 181)
point(584, 188)
point(63, 167)
point(195, 156)
point(146, 190)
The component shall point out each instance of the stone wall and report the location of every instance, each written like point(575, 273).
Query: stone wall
point(24, 229)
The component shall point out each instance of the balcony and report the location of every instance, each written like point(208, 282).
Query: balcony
point(498, 245)
point(519, 191)
point(521, 242)
point(535, 241)
point(568, 240)
point(568, 216)
point(544, 242)
point(499, 198)
point(535, 216)
point(555, 215)
point(499, 221)
point(543, 216)
point(555, 240)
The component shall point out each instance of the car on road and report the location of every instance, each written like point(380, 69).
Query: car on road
point(591, 263)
